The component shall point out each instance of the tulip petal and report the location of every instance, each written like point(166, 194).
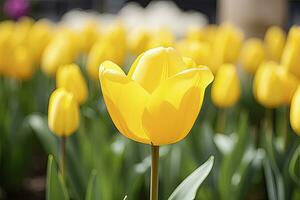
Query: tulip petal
point(174, 106)
point(155, 66)
point(125, 101)
point(56, 113)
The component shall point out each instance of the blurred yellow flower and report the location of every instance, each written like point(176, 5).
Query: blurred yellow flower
point(295, 112)
point(6, 29)
point(226, 86)
point(112, 46)
point(274, 42)
point(226, 46)
point(138, 41)
point(39, 38)
point(21, 66)
point(63, 113)
point(71, 79)
point(159, 100)
point(202, 34)
point(200, 52)
point(290, 83)
point(161, 37)
point(58, 52)
point(21, 31)
point(252, 55)
point(273, 86)
point(88, 36)
point(290, 57)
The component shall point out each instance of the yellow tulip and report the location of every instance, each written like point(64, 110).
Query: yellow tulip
point(101, 51)
point(105, 49)
point(88, 36)
point(273, 86)
point(21, 31)
point(290, 83)
point(39, 38)
point(202, 34)
point(63, 113)
point(274, 43)
point(116, 36)
point(200, 52)
point(195, 33)
point(226, 86)
point(252, 55)
point(58, 52)
point(295, 112)
point(138, 41)
point(70, 78)
point(161, 37)
point(267, 86)
point(6, 29)
point(290, 57)
point(158, 101)
point(227, 45)
point(21, 67)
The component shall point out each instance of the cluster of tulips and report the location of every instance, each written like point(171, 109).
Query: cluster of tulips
point(158, 101)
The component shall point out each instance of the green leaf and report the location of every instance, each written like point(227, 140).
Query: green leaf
point(232, 160)
point(294, 166)
point(56, 188)
point(188, 188)
point(48, 139)
point(270, 181)
point(92, 192)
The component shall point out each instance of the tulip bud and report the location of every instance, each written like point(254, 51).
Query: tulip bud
point(295, 112)
point(70, 78)
point(63, 113)
point(273, 87)
point(290, 57)
point(252, 55)
point(274, 43)
point(226, 87)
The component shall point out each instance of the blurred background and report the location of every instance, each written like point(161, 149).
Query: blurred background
point(249, 162)
point(253, 16)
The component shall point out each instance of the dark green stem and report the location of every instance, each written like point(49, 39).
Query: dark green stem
point(63, 155)
point(221, 121)
point(154, 172)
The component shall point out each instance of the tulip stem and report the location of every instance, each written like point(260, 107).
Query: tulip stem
point(286, 127)
point(154, 172)
point(63, 155)
point(221, 121)
point(269, 119)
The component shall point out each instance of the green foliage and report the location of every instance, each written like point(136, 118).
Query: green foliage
point(250, 157)
point(188, 188)
point(56, 188)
